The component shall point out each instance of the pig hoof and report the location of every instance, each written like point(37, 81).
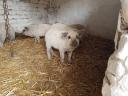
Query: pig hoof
point(49, 56)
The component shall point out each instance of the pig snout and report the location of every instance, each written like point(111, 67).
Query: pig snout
point(75, 43)
point(25, 29)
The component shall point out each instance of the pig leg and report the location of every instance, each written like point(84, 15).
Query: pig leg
point(69, 57)
point(37, 39)
point(49, 50)
point(62, 55)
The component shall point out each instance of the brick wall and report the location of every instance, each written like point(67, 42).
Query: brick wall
point(24, 12)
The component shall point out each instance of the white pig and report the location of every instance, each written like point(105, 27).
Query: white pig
point(4, 35)
point(63, 38)
point(36, 30)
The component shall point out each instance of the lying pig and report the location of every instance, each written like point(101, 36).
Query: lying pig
point(36, 31)
point(4, 35)
point(63, 38)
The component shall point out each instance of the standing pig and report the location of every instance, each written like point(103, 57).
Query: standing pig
point(36, 30)
point(3, 34)
point(63, 38)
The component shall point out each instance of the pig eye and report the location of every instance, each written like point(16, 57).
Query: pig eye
point(69, 37)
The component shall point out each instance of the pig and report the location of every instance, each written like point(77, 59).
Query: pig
point(4, 35)
point(36, 31)
point(63, 38)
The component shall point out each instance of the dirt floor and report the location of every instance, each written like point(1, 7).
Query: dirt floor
point(29, 73)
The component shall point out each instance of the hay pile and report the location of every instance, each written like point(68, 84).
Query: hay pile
point(29, 73)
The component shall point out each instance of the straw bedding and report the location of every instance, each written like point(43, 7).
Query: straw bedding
point(29, 73)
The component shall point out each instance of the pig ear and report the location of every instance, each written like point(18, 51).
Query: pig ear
point(64, 35)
